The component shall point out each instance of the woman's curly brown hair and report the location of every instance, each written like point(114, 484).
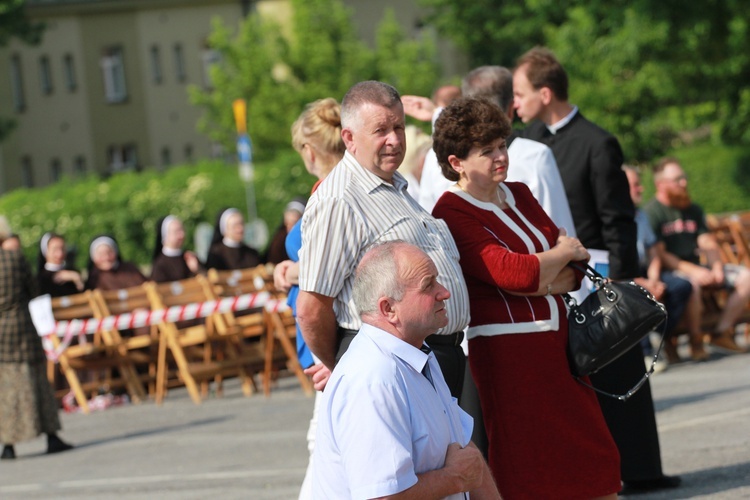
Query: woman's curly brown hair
point(464, 124)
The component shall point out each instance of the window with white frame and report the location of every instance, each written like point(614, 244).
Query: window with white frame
point(55, 170)
point(45, 75)
point(113, 70)
point(166, 156)
point(121, 158)
point(155, 56)
point(69, 69)
point(27, 172)
point(16, 82)
point(179, 63)
point(209, 58)
point(79, 166)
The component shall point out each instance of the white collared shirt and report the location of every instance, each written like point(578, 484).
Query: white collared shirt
point(382, 422)
point(353, 209)
point(560, 124)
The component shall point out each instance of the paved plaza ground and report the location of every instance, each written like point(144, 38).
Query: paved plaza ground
point(235, 447)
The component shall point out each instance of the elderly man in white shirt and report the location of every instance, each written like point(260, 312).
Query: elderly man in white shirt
point(388, 425)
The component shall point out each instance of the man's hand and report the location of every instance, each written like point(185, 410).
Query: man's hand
point(279, 276)
point(466, 465)
point(420, 108)
point(702, 276)
point(320, 375)
point(654, 287)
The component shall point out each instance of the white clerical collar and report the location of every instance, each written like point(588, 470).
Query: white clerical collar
point(560, 124)
point(231, 243)
point(54, 267)
point(171, 252)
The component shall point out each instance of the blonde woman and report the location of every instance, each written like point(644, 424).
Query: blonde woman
point(316, 135)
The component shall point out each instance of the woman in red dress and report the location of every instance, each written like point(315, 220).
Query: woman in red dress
point(547, 436)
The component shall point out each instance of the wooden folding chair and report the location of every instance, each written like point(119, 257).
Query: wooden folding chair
point(725, 231)
point(201, 349)
point(90, 357)
point(140, 349)
point(280, 327)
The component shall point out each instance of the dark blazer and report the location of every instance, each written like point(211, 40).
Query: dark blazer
point(19, 342)
point(590, 161)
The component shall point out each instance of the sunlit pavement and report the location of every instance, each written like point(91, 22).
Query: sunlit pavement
point(237, 447)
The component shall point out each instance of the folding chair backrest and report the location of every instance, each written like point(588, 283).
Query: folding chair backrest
point(116, 302)
point(722, 229)
point(178, 293)
point(237, 281)
point(69, 307)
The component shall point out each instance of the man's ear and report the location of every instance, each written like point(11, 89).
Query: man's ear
point(546, 94)
point(386, 309)
point(455, 162)
point(348, 138)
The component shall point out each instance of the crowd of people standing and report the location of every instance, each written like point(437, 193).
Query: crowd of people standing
point(503, 260)
point(391, 291)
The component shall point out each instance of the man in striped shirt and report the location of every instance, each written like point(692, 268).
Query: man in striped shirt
point(363, 201)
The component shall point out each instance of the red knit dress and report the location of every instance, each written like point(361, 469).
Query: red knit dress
point(547, 436)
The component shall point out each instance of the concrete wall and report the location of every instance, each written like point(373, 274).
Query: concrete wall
point(55, 125)
point(171, 119)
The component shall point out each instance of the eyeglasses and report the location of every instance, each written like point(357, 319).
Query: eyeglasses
point(676, 179)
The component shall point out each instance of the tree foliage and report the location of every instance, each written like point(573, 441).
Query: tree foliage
point(321, 57)
point(657, 73)
point(129, 204)
point(14, 23)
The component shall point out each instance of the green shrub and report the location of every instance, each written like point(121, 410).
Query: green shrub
point(718, 176)
point(128, 205)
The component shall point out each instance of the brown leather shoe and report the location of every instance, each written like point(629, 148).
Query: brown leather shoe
point(727, 344)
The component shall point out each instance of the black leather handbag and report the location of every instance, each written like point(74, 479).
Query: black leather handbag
point(608, 323)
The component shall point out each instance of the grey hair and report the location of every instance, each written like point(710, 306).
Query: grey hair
point(377, 276)
point(368, 92)
point(494, 83)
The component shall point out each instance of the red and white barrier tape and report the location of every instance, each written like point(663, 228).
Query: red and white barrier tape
point(69, 329)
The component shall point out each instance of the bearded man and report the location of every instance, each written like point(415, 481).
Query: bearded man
point(680, 225)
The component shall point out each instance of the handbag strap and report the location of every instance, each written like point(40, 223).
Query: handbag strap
point(639, 384)
point(592, 274)
point(588, 271)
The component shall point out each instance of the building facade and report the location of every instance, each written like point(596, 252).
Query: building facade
point(106, 89)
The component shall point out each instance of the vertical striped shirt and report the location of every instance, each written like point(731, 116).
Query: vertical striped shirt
point(354, 209)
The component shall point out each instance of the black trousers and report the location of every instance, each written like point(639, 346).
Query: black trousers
point(632, 423)
point(472, 405)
